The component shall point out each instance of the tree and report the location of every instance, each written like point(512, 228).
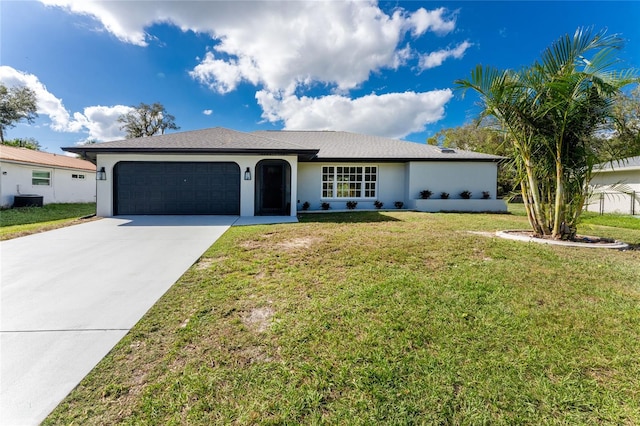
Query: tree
point(550, 113)
point(16, 104)
point(29, 143)
point(147, 120)
point(626, 126)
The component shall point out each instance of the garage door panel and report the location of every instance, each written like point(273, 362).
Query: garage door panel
point(177, 188)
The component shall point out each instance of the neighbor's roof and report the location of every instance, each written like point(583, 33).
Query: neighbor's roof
point(631, 163)
point(30, 156)
point(336, 145)
point(216, 140)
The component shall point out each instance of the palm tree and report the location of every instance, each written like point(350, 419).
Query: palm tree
point(550, 112)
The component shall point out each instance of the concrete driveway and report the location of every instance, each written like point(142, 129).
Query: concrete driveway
point(69, 295)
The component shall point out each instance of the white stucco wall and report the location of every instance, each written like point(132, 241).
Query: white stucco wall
point(391, 179)
point(404, 181)
point(452, 177)
point(247, 187)
point(16, 179)
point(616, 191)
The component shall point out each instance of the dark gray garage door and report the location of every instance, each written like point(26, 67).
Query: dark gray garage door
point(144, 187)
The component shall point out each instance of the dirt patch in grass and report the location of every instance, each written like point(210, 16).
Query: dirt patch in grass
point(266, 241)
point(299, 243)
point(258, 319)
point(206, 262)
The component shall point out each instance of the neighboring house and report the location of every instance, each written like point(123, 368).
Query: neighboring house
point(222, 171)
point(57, 178)
point(615, 187)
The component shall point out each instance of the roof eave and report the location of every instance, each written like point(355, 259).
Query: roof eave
point(400, 159)
point(92, 153)
point(37, 164)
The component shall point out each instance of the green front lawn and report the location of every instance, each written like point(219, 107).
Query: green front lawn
point(381, 318)
point(26, 220)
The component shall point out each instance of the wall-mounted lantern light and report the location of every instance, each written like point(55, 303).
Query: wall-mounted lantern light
point(101, 174)
point(247, 174)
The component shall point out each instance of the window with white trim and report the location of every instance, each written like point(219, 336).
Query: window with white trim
point(349, 181)
point(40, 177)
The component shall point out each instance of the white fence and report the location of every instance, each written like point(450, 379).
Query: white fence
point(615, 202)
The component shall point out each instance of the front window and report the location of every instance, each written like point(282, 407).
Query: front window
point(39, 177)
point(349, 181)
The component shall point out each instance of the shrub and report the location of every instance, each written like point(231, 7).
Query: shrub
point(444, 195)
point(325, 206)
point(398, 204)
point(351, 204)
point(305, 206)
point(486, 195)
point(425, 194)
point(378, 204)
point(465, 195)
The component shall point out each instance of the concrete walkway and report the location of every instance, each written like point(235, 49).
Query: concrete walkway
point(68, 296)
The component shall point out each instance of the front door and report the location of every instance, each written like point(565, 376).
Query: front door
point(273, 177)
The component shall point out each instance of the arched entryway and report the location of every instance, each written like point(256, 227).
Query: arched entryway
point(273, 188)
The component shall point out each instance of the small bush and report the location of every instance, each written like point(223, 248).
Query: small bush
point(486, 195)
point(378, 204)
point(305, 206)
point(325, 206)
point(444, 195)
point(465, 195)
point(398, 204)
point(351, 204)
point(425, 194)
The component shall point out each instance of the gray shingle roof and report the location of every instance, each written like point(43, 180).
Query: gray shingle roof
point(309, 145)
point(214, 140)
point(335, 145)
point(624, 164)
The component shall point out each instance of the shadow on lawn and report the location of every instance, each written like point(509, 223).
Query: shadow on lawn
point(346, 217)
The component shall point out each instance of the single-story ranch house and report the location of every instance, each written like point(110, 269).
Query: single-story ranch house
point(274, 173)
point(55, 178)
point(615, 187)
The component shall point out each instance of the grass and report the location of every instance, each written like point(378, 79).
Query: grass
point(380, 318)
point(28, 220)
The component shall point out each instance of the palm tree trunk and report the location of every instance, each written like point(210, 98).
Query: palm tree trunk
point(540, 225)
point(558, 217)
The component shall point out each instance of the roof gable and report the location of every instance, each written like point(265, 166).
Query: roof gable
point(30, 156)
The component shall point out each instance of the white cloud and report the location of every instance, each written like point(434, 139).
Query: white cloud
point(207, 112)
point(48, 104)
point(392, 115)
point(285, 47)
point(435, 59)
point(121, 18)
point(434, 20)
point(99, 122)
point(281, 45)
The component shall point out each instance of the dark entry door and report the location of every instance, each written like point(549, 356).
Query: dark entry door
point(174, 188)
point(273, 181)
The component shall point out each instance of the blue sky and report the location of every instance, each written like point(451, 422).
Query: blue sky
point(384, 68)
